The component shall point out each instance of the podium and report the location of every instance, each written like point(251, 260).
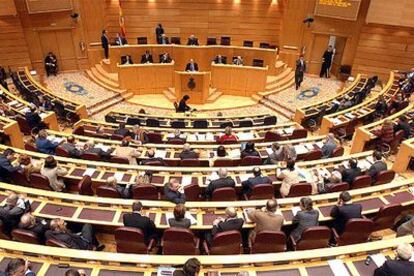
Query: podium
point(194, 84)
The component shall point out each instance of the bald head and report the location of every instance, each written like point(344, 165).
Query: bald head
point(174, 184)
point(404, 251)
point(12, 199)
point(271, 205)
point(222, 173)
point(26, 221)
point(231, 212)
point(151, 153)
point(111, 181)
point(186, 147)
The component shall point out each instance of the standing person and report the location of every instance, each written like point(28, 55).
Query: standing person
point(299, 71)
point(105, 44)
point(50, 64)
point(159, 31)
point(326, 62)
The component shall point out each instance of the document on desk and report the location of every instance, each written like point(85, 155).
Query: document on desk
point(12, 103)
point(187, 215)
point(288, 130)
point(338, 268)
point(119, 176)
point(160, 154)
point(235, 153)
point(269, 151)
point(192, 137)
point(186, 180)
point(378, 259)
point(349, 116)
point(301, 149)
point(201, 137)
point(165, 271)
point(209, 136)
point(295, 210)
point(319, 144)
point(42, 115)
point(336, 121)
point(89, 172)
point(245, 136)
point(57, 140)
point(244, 177)
point(102, 147)
point(246, 217)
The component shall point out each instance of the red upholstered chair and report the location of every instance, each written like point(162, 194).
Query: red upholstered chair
point(313, 155)
point(268, 242)
point(154, 163)
point(200, 124)
point(300, 189)
point(20, 179)
point(192, 192)
point(30, 147)
point(361, 181)
point(312, 238)
point(224, 243)
point(85, 186)
point(338, 151)
point(104, 191)
point(356, 231)
point(269, 120)
point(386, 216)
point(261, 191)
point(117, 137)
point(224, 194)
point(3, 234)
point(155, 138)
point(223, 163)
point(251, 161)
point(24, 126)
point(119, 160)
point(25, 236)
point(385, 177)
point(56, 243)
point(272, 136)
point(131, 240)
point(39, 181)
point(61, 151)
point(145, 191)
point(179, 241)
point(79, 130)
point(338, 187)
point(299, 134)
point(190, 163)
point(90, 156)
point(399, 135)
point(176, 141)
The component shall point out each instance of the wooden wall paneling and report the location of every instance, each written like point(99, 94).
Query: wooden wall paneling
point(7, 7)
point(46, 6)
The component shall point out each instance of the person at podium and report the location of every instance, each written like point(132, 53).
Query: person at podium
point(192, 41)
point(146, 58)
point(191, 66)
point(220, 60)
point(126, 60)
point(165, 58)
point(238, 61)
point(182, 106)
point(164, 39)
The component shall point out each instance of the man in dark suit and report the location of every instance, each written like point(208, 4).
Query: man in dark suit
point(191, 66)
point(404, 126)
point(137, 220)
point(299, 71)
point(326, 62)
point(152, 158)
point(188, 153)
point(18, 267)
point(219, 59)
point(401, 266)
point(255, 180)
point(6, 167)
point(89, 147)
point(230, 223)
point(164, 39)
point(223, 182)
point(165, 58)
point(159, 31)
point(174, 192)
point(377, 167)
point(50, 64)
point(192, 41)
point(105, 43)
point(36, 225)
point(33, 118)
point(120, 40)
point(344, 211)
point(348, 175)
point(122, 130)
point(147, 57)
point(70, 146)
point(12, 211)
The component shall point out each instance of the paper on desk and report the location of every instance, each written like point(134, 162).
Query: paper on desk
point(235, 153)
point(12, 103)
point(56, 139)
point(269, 151)
point(201, 137)
point(42, 115)
point(301, 149)
point(102, 147)
point(160, 154)
point(378, 259)
point(364, 165)
point(118, 176)
point(336, 121)
point(295, 210)
point(170, 135)
point(288, 130)
point(165, 271)
point(338, 268)
point(370, 159)
point(89, 172)
point(187, 215)
point(186, 180)
point(245, 136)
point(192, 137)
point(244, 177)
point(213, 176)
point(246, 217)
point(319, 144)
point(349, 115)
point(209, 136)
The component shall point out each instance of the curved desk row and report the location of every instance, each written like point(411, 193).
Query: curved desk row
point(11, 130)
point(404, 156)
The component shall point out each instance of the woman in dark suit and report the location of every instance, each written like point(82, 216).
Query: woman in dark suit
point(305, 218)
point(179, 219)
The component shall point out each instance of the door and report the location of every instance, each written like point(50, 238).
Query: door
point(340, 43)
point(319, 45)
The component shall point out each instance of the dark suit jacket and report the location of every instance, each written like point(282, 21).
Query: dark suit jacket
point(175, 197)
point(342, 214)
point(245, 153)
point(375, 168)
point(219, 183)
point(348, 175)
point(146, 225)
point(193, 41)
point(304, 220)
point(183, 107)
point(300, 68)
point(71, 240)
point(71, 148)
point(6, 169)
point(395, 268)
point(188, 154)
point(184, 223)
point(405, 127)
point(104, 41)
point(249, 183)
point(188, 67)
point(99, 152)
point(122, 131)
point(146, 59)
point(228, 225)
point(145, 161)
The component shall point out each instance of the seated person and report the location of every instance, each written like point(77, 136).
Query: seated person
point(401, 266)
point(238, 61)
point(45, 104)
point(381, 107)
point(344, 211)
point(179, 219)
point(122, 130)
point(51, 64)
point(406, 227)
point(329, 146)
point(177, 136)
point(191, 268)
point(123, 191)
point(54, 173)
point(249, 150)
point(222, 182)
point(18, 267)
point(33, 118)
point(125, 151)
point(192, 41)
point(386, 133)
point(329, 182)
point(165, 58)
point(137, 219)
point(120, 40)
point(125, 60)
point(7, 169)
point(305, 218)
point(89, 147)
point(345, 103)
point(139, 135)
point(255, 180)
point(13, 210)
point(378, 166)
point(34, 224)
point(191, 66)
point(396, 102)
point(147, 57)
point(219, 59)
point(230, 223)
point(71, 147)
point(174, 192)
point(182, 106)
point(277, 154)
point(29, 166)
point(289, 153)
point(227, 136)
point(348, 175)
point(188, 153)
point(164, 40)
point(221, 151)
point(289, 177)
point(86, 240)
point(403, 125)
point(151, 158)
point(44, 145)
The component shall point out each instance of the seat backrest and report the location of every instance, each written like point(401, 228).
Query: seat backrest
point(269, 242)
point(247, 43)
point(119, 160)
point(226, 124)
point(19, 178)
point(192, 192)
point(300, 189)
point(211, 41)
point(133, 121)
point(155, 138)
point(264, 45)
point(246, 123)
point(225, 40)
point(299, 134)
point(313, 155)
point(176, 141)
point(272, 136)
point(223, 163)
point(144, 191)
point(361, 181)
point(90, 156)
point(224, 194)
point(338, 151)
point(142, 40)
point(153, 122)
point(270, 121)
point(200, 124)
point(130, 240)
point(190, 163)
point(175, 40)
point(39, 181)
point(356, 231)
point(314, 237)
point(385, 177)
point(178, 241)
point(30, 147)
point(79, 130)
point(25, 236)
point(178, 124)
point(61, 151)
point(262, 191)
point(338, 187)
point(226, 243)
point(387, 215)
point(251, 160)
point(117, 137)
point(105, 191)
point(56, 243)
point(85, 186)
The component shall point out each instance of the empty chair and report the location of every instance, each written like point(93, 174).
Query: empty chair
point(211, 41)
point(385, 177)
point(110, 119)
point(251, 160)
point(178, 124)
point(192, 192)
point(224, 243)
point(39, 181)
point(24, 126)
point(104, 191)
point(190, 163)
point(200, 124)
point(313, 155)
point(268, 242)
point(246, 123)
point(56, 243)
point(131, 240)
point(223, 163)
point(338, 187)
point(119, 160)
point(300, 189)
point(269, 120)
point(85, 186)
point(117, 137)
point(247, 43)
point(133, 121)
point(224, 194)
point(19, 178)
point(79, 130)
point(261, 191)
point(144, 192)
point(312, 238)
point(90, 156)
point(271, 136)
point(299, 134)
point(61, 151)
point(175, 40)
point(142, 40)
point(154, 138)
point(356, 231)
point(264, 45)
point(26, 236)
point(361, 181)
point(338, 151)
point(176, 141)
point(226, 124)
point(258, 62)
point(153, 122)
point(225, 40)
point(179, 241)
point(386, 216)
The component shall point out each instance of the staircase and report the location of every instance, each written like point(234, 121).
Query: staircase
point(102, 105)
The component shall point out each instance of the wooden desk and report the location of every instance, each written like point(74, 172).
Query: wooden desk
point(147, 78)
point(11, 129)
point(238, 80)
point(199, 93)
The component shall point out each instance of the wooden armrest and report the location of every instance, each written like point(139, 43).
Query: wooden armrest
point(151, 245)
point(206, 249)
point(292, 240)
